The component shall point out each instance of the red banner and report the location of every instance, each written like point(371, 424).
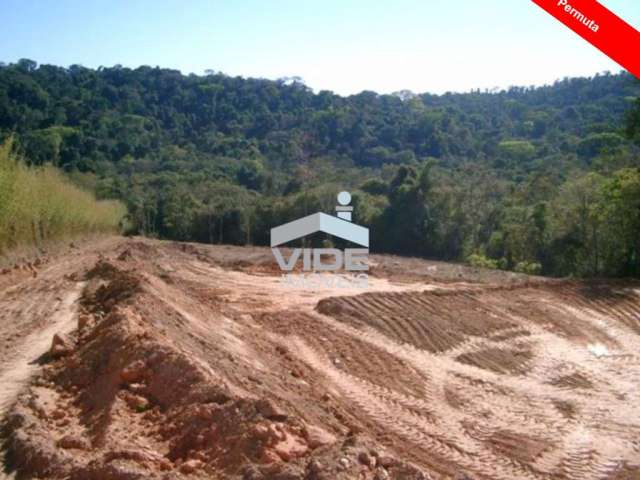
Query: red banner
point(601, 27)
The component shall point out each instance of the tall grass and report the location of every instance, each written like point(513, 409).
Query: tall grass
point(41, 204)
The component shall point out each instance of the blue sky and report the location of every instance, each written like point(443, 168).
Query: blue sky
point(346, 46)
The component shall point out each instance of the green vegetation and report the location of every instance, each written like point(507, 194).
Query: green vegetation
point(540, 180)
point(38, 204)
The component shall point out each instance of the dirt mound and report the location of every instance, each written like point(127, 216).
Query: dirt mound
point(108, 285)
point(136, 249)
point(125, 402)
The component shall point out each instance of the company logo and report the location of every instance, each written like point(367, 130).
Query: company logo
point(320, 265)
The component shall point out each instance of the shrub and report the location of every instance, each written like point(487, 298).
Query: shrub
point(530, 268)
point(478, 260)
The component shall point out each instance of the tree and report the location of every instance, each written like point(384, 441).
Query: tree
point(620, 208)
point(577, 224)
point(632, 122)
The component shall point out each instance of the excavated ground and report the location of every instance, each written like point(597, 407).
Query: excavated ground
point(181, 361)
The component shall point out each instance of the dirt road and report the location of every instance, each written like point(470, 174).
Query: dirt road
point(197, 362)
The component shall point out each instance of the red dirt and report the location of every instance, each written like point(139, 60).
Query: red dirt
point(196, 362)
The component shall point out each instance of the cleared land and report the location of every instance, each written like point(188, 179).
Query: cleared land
point(190, 361)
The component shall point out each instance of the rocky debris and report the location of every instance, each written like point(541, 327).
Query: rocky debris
point(83, 322)
point(315, 468)
point(144, 457)
point(115, 286)
point(134, 373)
point(125, 255)
point(289, 447)
point(270, 410)
point(387, 461)
point(191, 466)
point(137, 403)
point(58, 414)
point(61, 346)
point(365, 459)
point(32, 269)
point(74, 442)
point(317, 437)
point(381, 474)
point(115, 470)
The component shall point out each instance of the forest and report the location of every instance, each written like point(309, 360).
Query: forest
point(541, 180)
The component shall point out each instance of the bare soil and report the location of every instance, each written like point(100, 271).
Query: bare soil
point(188, 361)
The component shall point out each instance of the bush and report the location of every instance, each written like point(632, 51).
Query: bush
point(38, 204)
point(530, 268)
point(480, 261)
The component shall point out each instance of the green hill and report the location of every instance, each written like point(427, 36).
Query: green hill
point(535, 179)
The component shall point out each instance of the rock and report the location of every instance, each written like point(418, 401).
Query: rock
point(387, 462)
point(191, 466)
point(289, 473)
point(276, 432)
point(74, 442)
point(270, 410)
point(343, 463)
point(269, 457)
point(83, 320)
point(63, 423)
point(290, 447)
point(137, 402)
point(58, 414)
point(141, 456)
point(139, 388)
point(134, 372)
point(38, 407)
point(61, 346)
point(366, 459)
point(315, 467)
point(381, 474)
point(317, 437)
point(251, 472)
point(261, 431)
point(125, 255)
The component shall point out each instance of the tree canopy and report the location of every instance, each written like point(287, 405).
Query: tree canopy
point(542, 180)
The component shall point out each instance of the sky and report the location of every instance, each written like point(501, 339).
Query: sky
point(341, 45)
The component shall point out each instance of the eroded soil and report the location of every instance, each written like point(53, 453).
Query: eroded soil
point(184, 361)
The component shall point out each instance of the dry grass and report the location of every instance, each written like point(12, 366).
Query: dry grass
point(40, 204)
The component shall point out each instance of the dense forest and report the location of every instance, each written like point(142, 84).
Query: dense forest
point(540, 180)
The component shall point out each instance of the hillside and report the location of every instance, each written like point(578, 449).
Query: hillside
point(188, 361)
point(78, 117)
point(528, 179)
